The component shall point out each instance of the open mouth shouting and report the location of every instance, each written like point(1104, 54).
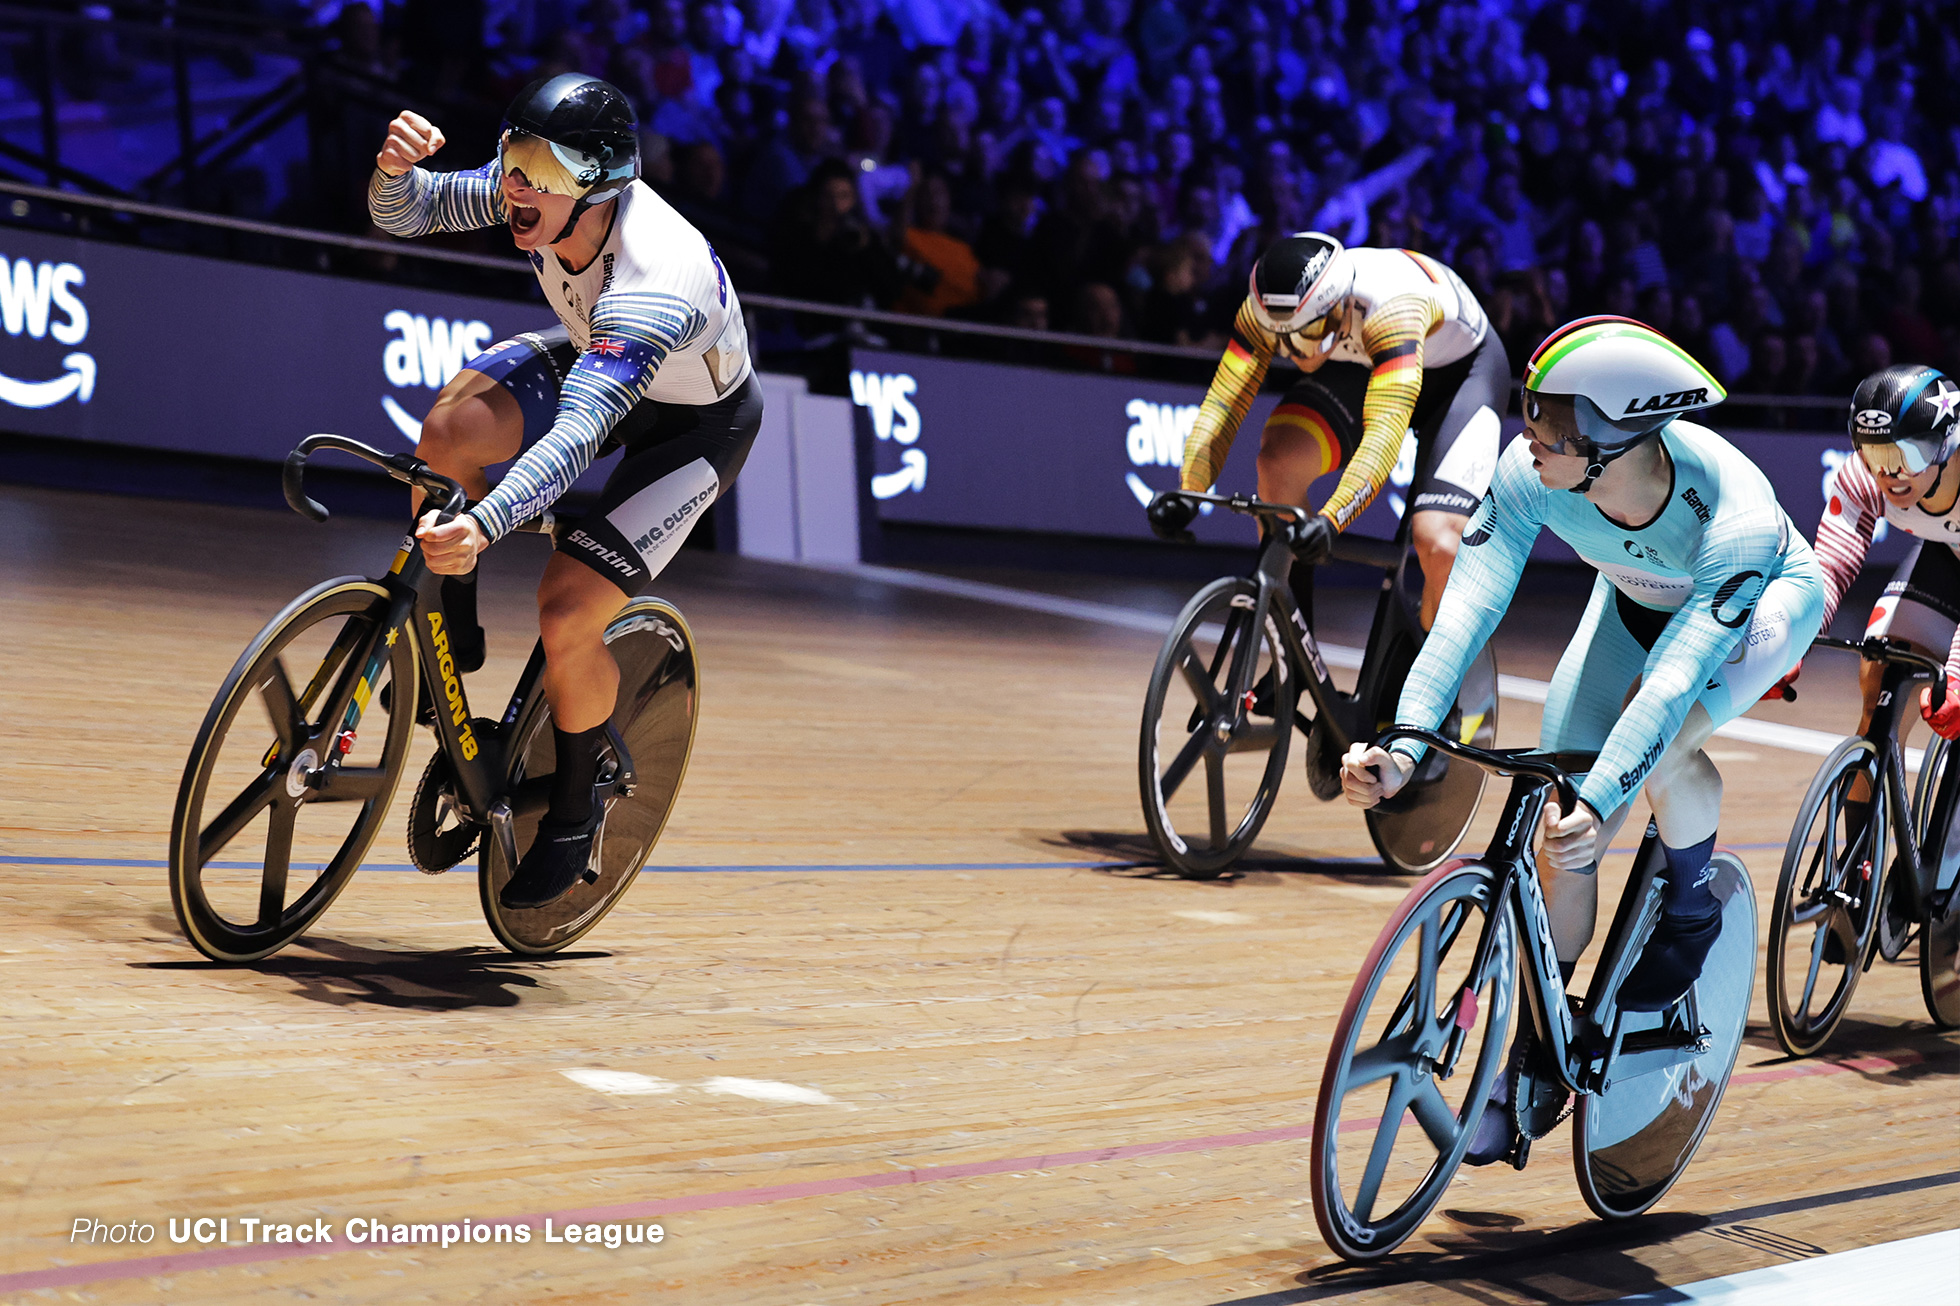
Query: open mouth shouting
point(523, 219)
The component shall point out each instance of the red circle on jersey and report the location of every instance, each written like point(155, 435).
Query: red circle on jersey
point(1836, 508)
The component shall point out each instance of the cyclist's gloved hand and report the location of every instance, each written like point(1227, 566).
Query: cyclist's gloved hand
point(1943, 715)
point(1170, 515)
point(1782, 691)
point(1311, 538)
point(1370, 774)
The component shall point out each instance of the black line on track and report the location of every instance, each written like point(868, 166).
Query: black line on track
point(1526, 1254)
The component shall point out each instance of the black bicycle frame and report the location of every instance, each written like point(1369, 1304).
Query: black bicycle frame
point(1583, 1054)
point(1901, 668)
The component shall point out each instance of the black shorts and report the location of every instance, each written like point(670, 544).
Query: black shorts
point(679, 458)
point(1457, 443)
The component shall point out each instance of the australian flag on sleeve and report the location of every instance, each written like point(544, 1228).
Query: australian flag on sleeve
point(624, 360)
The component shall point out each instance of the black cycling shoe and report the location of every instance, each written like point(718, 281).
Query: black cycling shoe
point(557, 861)
point(1671, 961)
point(425, 711)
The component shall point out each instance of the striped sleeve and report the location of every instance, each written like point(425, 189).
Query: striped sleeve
point(1853, 505)
point(1233, 388)
point(419, 201)
point(1497, 542)
point(1393, 336)
point(633, 332)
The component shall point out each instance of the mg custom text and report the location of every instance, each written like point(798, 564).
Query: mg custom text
point(361, 1231)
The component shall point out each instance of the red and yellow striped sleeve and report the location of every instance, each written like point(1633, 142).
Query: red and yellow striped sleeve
point(1233, 388)
point(1393, 336)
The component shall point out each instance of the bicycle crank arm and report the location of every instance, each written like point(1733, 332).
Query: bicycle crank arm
point(505, 830)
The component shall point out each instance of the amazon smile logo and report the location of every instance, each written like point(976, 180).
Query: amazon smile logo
point(31, 296)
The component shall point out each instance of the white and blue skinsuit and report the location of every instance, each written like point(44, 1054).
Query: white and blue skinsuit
point(1711, 602)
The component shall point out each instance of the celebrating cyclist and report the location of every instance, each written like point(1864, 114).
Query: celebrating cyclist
point(1706, 596)
point(651, 356)
point(1388, 340)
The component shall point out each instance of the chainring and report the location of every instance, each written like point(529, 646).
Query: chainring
point(1538, 1100)
point(432, 847)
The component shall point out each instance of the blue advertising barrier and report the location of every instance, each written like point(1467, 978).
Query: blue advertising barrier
point(131, 346)
point(989, 445)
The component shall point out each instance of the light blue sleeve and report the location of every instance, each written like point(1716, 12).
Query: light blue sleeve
point(419, 201)
point(1496, 544)
point(1742, 548)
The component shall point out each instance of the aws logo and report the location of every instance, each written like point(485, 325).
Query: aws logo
point(426, 352)
point(888, 398)
point(31, 297)
point(1155, 438)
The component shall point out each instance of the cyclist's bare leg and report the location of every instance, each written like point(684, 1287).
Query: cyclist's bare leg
point(1436, 536)
point(475, 423)
point(1291, 458)
point(581, 679)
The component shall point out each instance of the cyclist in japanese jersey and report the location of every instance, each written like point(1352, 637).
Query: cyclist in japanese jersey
point(1388, 340)
point(1904, 424)
point(651, 356)
point(1706, 596)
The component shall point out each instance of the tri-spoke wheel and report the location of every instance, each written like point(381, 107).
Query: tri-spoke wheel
point(1417, 1048)
point(1827, 899)
point(279, 802)
point(1635, 1137)
point(1217, 720)
point(659, 700)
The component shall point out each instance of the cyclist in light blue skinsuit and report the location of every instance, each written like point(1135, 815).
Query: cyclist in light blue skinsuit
point(1706, 597)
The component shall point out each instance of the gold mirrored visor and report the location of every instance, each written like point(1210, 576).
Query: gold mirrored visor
point(1898, 458)
point(548, 168)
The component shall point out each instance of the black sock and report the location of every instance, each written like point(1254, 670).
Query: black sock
point(1688, 892)
point(578, 767)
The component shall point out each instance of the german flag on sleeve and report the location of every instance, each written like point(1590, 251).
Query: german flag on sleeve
point(1393, 336)
point(1233, 388)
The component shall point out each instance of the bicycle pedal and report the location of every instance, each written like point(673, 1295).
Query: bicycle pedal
point(1521, 1154)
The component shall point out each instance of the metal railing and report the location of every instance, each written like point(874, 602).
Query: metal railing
point(405, 249)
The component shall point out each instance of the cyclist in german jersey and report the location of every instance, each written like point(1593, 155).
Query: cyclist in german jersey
point(650, 355)
point(1706, 596)
point(1389, 340)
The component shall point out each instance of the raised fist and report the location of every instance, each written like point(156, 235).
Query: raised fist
point(411, 139)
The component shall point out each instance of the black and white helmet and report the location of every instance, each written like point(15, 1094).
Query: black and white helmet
point(1905, 419)
point(572, 135)
point(1300, 288)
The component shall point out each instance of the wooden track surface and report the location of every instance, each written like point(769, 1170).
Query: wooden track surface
point(1009, 1065)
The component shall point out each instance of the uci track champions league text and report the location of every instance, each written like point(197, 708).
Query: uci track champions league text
point(361, 1231)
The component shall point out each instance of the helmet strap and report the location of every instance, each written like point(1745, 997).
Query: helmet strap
point(578, 211)
point(1595, 468)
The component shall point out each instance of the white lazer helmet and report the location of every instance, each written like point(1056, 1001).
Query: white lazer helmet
point(1625, 379)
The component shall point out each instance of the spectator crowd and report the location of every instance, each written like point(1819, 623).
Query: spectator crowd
point(1773, 183)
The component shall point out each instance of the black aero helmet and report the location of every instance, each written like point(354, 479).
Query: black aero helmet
point(1905, 419)
point(572, 135)
point(1300, 285)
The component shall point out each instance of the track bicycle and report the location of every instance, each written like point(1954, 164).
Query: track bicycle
point(281, 765)
point(1841, 901)
point(1422, 1033)
point(1226, 694)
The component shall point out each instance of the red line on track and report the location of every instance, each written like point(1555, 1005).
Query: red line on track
point(69, 1276)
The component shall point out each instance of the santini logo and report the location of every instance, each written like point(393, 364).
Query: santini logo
point(429, 352)
point(30, 296)
point(888, 398)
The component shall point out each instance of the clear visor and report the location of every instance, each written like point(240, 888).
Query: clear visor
point(1899, 458)
point(548, 168)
